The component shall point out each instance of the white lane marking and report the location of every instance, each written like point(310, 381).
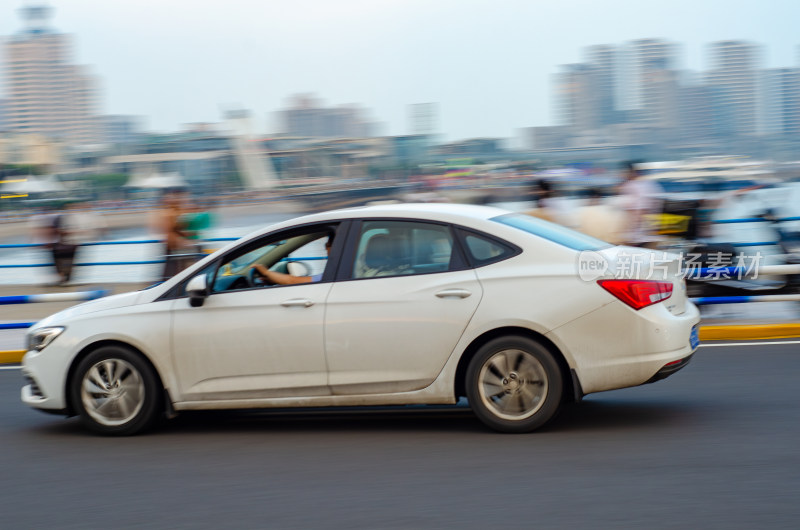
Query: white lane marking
point(10, 367)
point(754, 343)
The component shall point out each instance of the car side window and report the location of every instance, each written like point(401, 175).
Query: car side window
point(483, 250)
point(283, 259)
point(400, 248)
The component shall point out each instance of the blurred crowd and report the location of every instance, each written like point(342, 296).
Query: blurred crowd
point(622, 215)
point(631, 209)
point(636, 211)
point(180, 222)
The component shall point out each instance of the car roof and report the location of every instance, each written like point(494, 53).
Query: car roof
point(411, 210)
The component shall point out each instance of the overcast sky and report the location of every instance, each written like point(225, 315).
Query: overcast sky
point(488, 63)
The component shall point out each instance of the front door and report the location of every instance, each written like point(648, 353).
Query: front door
point(253, 338)
point(255, 343)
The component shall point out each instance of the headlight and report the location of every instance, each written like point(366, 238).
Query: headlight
point(39, 339)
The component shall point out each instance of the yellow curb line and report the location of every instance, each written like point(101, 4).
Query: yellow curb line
point(729, 332)
point(11, 356)
point(750, 332)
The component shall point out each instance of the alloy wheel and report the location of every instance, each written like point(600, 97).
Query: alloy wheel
point(513, 384)
point(112, 392)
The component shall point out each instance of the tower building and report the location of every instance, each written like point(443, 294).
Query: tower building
point(45, 92)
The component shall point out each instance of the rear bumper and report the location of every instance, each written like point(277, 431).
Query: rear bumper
point(669, 369)
point(616, 347)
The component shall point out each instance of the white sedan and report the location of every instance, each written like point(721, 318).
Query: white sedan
point(387, 305)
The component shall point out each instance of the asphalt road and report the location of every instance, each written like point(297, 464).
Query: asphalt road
point(715, 446)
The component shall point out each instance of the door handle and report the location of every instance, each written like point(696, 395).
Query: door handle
point(298, 302)
point(454, 293)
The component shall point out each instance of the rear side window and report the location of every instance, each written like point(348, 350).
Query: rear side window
point(552, 232)
point(483, 250)
point(400, 248)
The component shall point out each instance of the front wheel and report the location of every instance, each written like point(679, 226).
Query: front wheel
point(115, 392)
point(514, 384)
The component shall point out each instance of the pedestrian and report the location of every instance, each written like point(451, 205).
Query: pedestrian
point(641, 200)
point(552, 206)
point(599, 219)
point(44, 234)
point(80, 225)
point(196, 219)
point(173, 229)
point(62, 247)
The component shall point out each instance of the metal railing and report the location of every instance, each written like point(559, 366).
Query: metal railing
point(101, 243)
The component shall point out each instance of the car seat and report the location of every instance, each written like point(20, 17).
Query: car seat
point(384, 256)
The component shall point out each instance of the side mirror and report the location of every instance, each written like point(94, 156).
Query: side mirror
point(197, 289)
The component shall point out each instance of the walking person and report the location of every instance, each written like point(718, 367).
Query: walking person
point(196, 220)
point(78, 225)
point(44, 228)
point(176, 244)
point(640, 198)
point(63, 248)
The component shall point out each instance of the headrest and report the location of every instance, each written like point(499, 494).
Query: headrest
point(382, 251)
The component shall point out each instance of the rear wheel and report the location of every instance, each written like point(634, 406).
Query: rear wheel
point(514, 384)
point(115, 392)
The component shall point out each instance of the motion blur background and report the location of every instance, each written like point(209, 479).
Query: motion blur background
point(249, 107)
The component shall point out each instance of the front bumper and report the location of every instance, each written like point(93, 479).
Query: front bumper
point(45, 375)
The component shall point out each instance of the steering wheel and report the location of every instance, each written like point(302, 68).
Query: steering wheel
point(254, 279)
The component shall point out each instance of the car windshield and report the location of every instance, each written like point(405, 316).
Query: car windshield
point(552, 232)
point(246, 259)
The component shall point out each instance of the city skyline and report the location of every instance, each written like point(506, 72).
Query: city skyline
point(470, 57)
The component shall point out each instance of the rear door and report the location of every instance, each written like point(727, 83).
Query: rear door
point(399, 307)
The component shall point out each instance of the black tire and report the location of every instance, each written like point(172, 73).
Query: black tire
point(130, 398)
point(520, 396)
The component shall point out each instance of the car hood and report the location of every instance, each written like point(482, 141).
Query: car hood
point(101, 304)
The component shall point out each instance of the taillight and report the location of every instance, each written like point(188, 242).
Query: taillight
point(638, 293)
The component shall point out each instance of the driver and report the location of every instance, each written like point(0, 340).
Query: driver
point(280, 278)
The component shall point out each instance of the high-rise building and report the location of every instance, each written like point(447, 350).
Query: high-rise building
point(603, 61)
point(695, 114)
point(46, 93)
point(307, 117)
point(577, 100)
point(780, 101)
point(733, 77)
point(122, 129)
point(653, 75)
point(3, 111)
point(423, 118)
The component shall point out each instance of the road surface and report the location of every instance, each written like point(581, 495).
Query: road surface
point(715, 446)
